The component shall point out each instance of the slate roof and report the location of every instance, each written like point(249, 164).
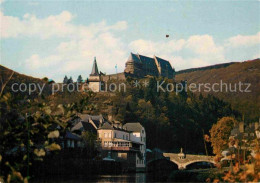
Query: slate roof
point(96, 119)
point(164, 63)
point(84, 126)
point(134, 127)
point(73, 136)
point(109, 126)
point(133, 58)
point(106, 126)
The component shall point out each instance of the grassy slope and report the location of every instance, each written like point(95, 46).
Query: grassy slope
point(246, 72)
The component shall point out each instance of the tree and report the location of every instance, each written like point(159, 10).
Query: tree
point(65, 80)
point(89, 140)
point(24, 138)
point(220, 133)
point(70, 80)
point(79, 80)
point(45, 79)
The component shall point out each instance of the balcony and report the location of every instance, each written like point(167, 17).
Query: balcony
point(121, 148)
point(120, 145)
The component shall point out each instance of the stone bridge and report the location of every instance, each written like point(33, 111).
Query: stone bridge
point(182, 160)
point(187, 159)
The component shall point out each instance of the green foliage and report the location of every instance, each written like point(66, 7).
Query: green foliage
point(171, 120)
point(25, 137)
point(247, 103)
point(89, 140)
point(79, 80)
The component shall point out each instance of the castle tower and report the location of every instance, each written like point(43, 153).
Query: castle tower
point(94, 78)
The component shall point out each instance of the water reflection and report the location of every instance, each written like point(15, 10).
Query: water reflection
point(137, 177)
point(124, 178)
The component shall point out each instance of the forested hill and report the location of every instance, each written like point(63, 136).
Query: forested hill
point(245, 72)
point(14, 77)
point(217, 66)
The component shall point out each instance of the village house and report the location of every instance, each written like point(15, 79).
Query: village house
point(124, 143)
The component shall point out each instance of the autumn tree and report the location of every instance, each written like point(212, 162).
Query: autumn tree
point(220, 133)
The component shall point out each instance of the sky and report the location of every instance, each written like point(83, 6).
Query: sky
point(55, 38)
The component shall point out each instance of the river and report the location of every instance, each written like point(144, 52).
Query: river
point(122, 178)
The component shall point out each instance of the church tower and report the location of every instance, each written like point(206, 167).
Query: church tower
point(94, 78)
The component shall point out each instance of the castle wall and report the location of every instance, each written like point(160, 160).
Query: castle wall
point(94, 86)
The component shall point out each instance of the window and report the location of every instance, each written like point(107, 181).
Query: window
point(119, 155)
point(115, 135)
point(109, 135)
point(110, 144)
point(72, 143)
point(141, 139)
point(124, 137)
point(68, 143)
point(137, 161)
point(105, 144)
point(142, 131)
point(105, 135)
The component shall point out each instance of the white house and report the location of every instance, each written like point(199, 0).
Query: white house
point(138, 135)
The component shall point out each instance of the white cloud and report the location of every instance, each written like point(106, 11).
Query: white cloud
point(53, 26)
point(35, 62)
point(150, 47)
point(75, 55)
point(80, 43)
point(203, 47)
point(242, 40)
point(30, 25)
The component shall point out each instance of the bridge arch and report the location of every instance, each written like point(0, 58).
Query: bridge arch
point(162, 164)
point(186, 165)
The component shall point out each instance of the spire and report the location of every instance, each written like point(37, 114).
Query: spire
point(94, 71)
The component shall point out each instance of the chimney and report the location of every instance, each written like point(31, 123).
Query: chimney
point(241, 127)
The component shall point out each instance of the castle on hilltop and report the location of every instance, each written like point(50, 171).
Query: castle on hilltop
point(137, 66)
point(140, 66)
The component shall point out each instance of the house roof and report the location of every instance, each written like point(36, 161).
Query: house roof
point(97, 120)
point(106, 126)
point(73, 136)
point(109, 126)
point(84, 126)
point(134, 127)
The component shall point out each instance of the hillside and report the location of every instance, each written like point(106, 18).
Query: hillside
point(245, 72)
point(217, 66)
point(18, 78)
